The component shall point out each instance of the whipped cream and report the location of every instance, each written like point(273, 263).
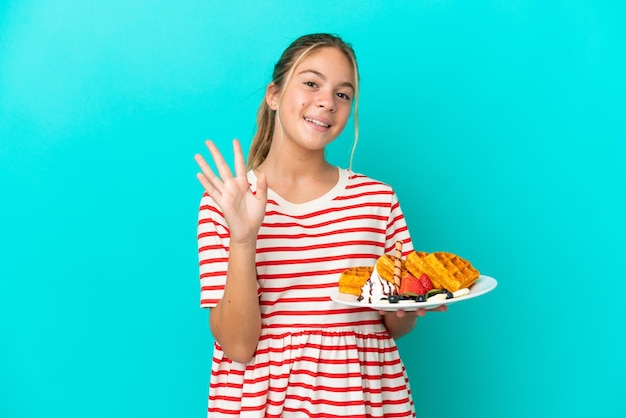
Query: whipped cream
point(375, 289)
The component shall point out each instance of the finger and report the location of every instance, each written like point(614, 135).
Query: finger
point(222, 167)
point(440, 308)
point(240, 164)
point(206, 184)
point(207, 178)
point(204, 166)
point(261, 187)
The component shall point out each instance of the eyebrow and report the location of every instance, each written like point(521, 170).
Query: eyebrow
point(323, 77)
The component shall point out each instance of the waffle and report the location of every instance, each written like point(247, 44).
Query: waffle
point(446, 270)
point(385, 266)
point(352, 280)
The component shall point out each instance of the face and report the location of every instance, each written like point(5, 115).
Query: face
point(316, 103)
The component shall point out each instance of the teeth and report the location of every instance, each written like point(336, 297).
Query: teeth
point(317, 122)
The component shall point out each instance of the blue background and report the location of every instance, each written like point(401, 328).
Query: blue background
point(499, 123)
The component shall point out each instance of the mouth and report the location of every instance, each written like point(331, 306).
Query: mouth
point(317, 122)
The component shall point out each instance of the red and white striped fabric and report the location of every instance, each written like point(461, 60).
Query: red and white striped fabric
point(315, 357)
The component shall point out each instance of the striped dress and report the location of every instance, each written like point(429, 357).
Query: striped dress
point(315, 357)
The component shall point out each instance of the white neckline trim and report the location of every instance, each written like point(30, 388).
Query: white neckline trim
point(335, 191)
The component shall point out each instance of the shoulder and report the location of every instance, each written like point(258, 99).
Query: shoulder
point(358, 181)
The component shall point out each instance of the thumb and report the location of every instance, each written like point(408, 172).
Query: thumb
point(261, 187)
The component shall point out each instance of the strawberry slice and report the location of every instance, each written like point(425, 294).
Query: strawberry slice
point(409, 284)
point(426, 282)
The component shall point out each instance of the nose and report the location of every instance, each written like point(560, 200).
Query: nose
point(326, 100)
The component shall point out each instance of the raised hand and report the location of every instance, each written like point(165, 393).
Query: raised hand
point(243, 210)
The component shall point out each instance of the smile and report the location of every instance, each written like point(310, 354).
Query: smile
point(317, 122)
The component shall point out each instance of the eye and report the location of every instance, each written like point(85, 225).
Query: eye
point(343, 96)
point(311, 84)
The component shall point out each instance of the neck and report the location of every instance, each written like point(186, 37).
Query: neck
point(299, 180)
point(291, 164)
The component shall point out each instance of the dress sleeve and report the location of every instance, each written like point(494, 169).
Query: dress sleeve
point(213, 241)
point(397, 229)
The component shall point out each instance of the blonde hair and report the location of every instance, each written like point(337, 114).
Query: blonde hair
point(283, 72)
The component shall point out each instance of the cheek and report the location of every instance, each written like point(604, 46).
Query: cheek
point(345, 115)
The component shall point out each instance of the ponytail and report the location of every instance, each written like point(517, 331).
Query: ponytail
point(260, 147)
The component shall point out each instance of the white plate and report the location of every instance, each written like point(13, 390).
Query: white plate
point(484, 284)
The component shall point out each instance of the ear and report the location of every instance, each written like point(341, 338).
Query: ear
point(272, 93)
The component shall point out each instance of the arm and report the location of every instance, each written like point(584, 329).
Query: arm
point(400, 323)
point(236, 319)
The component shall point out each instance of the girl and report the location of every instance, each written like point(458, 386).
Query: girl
point(273, 239)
